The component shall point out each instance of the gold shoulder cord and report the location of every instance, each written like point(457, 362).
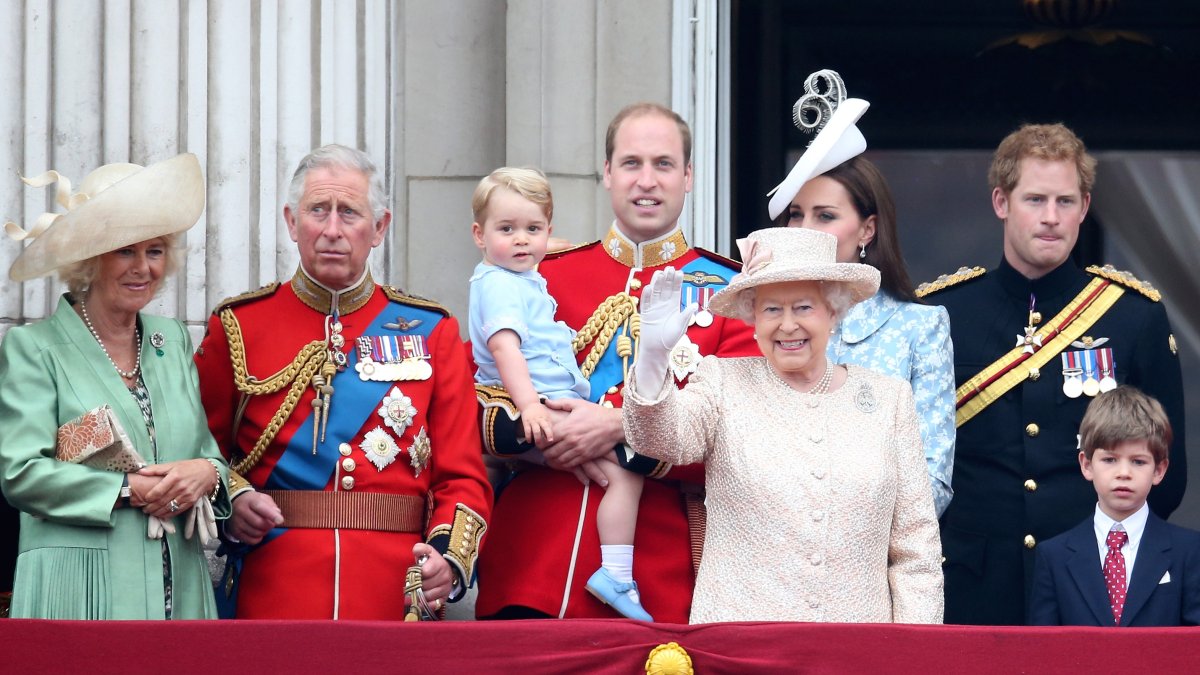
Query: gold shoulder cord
point(615, 311)
point(299, 373)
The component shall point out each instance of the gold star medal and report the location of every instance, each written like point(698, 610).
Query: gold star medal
point(418, 454)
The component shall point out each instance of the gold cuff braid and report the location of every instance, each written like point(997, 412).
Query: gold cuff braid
point(298, 374)
point(465, 533)
point(238, 484)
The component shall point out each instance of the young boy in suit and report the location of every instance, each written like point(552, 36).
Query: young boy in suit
point(1124, 566)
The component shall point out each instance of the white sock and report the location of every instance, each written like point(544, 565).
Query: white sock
point(617, 560)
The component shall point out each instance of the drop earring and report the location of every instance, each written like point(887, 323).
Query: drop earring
point(862, 251)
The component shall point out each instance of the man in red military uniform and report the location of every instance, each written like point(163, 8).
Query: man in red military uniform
point(347, 410)
point(543, 544)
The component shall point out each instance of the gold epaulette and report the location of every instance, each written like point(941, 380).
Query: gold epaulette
point(571, 249)
point(947, 280)
point(397, 295)
point(1126, 279)
point(246, 297)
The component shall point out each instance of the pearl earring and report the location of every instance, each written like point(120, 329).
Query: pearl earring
point(862, 251)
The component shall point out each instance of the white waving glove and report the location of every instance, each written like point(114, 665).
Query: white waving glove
point(662, 325)
point(201, 520)
point(157, 526)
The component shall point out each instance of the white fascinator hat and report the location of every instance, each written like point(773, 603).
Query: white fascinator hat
point(825, 111)
point(116, 205)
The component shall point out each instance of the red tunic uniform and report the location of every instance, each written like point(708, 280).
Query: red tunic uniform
point(544, 544)
point(428, 449)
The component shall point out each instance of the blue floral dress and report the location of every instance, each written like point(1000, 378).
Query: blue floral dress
point(911, 342)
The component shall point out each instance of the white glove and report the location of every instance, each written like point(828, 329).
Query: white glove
point(662, 326)
point(157, 526)
point(202, 520)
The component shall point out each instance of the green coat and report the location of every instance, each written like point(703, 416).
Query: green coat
point(79, 557)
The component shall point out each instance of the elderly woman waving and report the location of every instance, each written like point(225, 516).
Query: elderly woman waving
point(819, 508)
point(105, 449)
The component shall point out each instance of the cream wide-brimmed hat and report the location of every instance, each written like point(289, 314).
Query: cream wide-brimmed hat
point(117, 205)
point(838, 138)
point(781, 254)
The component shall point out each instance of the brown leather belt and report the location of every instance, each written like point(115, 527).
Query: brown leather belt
point(317, 509)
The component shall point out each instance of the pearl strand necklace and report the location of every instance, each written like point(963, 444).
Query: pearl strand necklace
point(822, 385)
point(137, 333)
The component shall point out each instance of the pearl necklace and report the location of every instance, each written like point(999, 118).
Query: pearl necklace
point(822, 385)
point(137, 333)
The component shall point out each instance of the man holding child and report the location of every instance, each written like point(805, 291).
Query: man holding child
point(544, 543)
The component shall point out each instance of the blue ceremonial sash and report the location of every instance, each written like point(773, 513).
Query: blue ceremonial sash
point(609, 371)
point(353, 402)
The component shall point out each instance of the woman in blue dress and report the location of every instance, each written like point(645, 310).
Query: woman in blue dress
point(834, 189)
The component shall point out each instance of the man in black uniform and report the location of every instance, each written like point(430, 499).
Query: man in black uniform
point(1076, 333)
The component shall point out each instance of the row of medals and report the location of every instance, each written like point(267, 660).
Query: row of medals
point(1074, 382)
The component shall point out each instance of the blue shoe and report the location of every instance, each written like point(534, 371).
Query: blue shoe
point(616, 595)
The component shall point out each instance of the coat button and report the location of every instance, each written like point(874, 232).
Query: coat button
point(1030, 542)
point(611, 390)
point(1034, 374)
point(1032, 430)
point(348, 463)
point(1031, 485)
point(347, 482)
point(635, 284)
point(344, 448)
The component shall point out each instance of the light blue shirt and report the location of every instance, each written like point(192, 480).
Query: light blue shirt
point(911, 342)
point(505, 300)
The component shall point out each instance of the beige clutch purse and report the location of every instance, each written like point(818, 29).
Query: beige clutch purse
point(96, 439)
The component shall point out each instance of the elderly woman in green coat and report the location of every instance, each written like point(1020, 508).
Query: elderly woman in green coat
point(98, 541)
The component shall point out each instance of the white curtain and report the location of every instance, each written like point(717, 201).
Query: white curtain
point(1151, 202)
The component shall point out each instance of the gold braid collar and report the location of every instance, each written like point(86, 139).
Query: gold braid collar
point(298, 374)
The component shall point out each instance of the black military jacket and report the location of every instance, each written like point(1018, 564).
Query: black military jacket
point(1016, 471)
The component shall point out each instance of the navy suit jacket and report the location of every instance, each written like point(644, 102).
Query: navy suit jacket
point(1069, 589)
